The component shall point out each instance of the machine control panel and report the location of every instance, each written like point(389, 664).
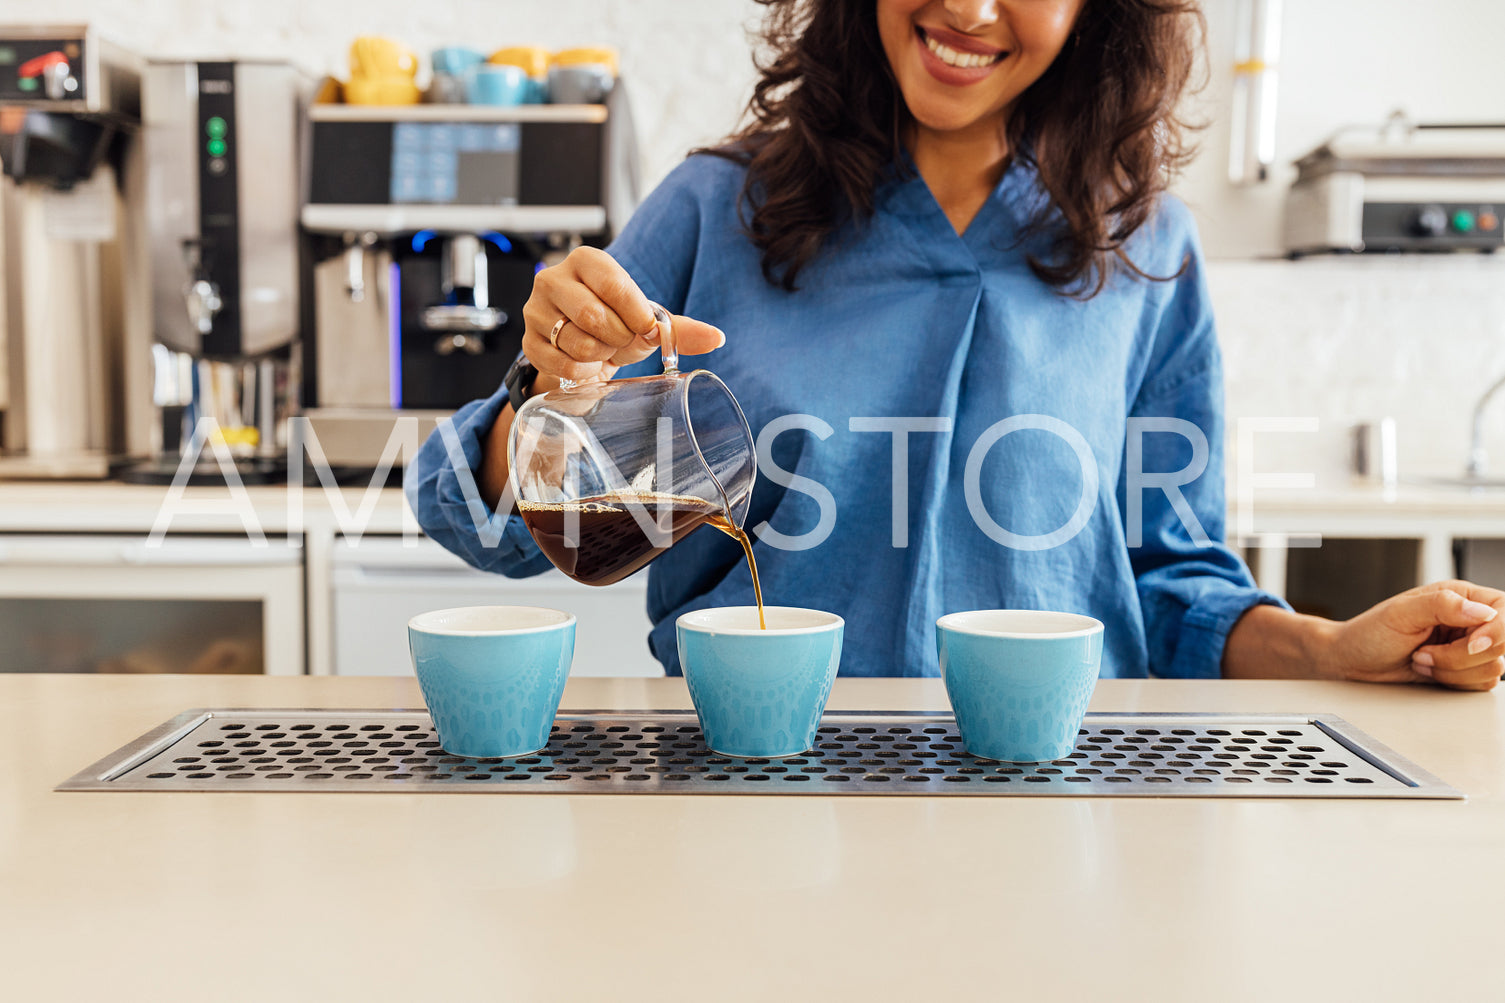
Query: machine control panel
point(1439, 226)
point(473, 162)
point(43, 70)
point(68, 69)
point(218, 265)
point(447, 163)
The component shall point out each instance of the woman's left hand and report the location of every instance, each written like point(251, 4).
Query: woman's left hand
point(1448, 632)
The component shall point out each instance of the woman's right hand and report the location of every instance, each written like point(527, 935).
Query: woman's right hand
point(609, 322)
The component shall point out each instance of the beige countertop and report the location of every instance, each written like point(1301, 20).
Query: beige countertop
point(111, 506)
point(180, 896)
point(73, 506)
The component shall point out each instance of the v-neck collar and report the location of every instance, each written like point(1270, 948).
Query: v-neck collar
point(1012, 203)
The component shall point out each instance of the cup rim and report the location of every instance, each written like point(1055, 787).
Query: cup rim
point(416, 625)
point(694, 621)
point(958, 623)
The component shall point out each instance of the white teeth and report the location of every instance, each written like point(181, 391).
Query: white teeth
point(951, 57)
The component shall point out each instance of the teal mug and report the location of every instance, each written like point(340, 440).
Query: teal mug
point(495, 84)
point(759, 693)
point(1019, 681)
point(492, 676)
point(455, 60)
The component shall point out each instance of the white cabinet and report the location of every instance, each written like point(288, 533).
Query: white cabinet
point(380, 583)
point(1483, 561)
point(117, 603)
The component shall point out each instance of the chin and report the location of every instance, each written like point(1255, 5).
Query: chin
point(945, 116)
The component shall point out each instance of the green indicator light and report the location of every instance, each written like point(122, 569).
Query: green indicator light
point(1463, 221)
point(216, 148)
point(215, 127)
point(27, 83)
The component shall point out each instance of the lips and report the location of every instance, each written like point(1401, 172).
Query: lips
point(957, 60)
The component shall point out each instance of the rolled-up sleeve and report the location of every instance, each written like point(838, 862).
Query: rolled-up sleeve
point(1192, 586)
point(441, 489)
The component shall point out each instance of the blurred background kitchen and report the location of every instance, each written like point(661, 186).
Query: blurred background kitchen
point(235, 210)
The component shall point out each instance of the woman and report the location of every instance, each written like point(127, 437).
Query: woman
point(971, 333)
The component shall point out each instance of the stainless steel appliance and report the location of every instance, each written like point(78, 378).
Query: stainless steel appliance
point(73, 364)
point(222, 152)
point(861, 754)
point(1403, 187)
point(426, 226)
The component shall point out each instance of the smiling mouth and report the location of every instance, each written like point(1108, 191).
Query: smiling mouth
point(956, 57)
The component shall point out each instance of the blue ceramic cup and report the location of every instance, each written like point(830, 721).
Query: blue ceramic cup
point(492, 676)
point(1019, 680)
point(496, 84)
point(454, 60)
point(759, 693)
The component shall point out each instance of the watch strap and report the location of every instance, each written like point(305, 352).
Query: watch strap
point(519, 378)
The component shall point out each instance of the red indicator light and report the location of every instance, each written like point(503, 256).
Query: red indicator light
point(38, 65)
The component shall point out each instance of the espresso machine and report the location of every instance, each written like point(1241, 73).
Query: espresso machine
point(426, 225)
point(74, 316)
point(221, 144)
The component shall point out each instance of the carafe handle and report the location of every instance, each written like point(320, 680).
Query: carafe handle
point(668, 351)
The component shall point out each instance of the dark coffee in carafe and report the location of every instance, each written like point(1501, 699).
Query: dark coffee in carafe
point(601, 540)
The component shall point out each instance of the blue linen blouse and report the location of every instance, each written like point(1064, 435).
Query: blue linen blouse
point(1008, 484)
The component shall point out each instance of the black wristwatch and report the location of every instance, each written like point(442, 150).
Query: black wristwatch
point(518, 380)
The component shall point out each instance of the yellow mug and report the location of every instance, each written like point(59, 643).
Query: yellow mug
point(530, 58)
point(376, 57)
point(381, 72)
point(381, 91)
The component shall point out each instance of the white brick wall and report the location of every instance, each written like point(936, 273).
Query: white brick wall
point(1418, 338)
point(687, 62)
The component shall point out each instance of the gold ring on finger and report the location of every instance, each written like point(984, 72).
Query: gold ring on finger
point(554, 331)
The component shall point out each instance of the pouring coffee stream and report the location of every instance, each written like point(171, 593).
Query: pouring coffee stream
point(669, 352)
point(608, 476)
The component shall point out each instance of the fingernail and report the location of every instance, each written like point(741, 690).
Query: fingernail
point(652, 336)
point(1423, 658)
point(1421, 670)
point(1478, 610)
point(1478, 644)
point(722, 335)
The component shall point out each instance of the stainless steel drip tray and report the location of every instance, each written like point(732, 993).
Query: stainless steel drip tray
point(857, 752)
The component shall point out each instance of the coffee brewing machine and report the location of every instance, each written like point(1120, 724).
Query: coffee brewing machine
point(222, 150)
point(427, 224)
point(74, 316)
point(1405, 186)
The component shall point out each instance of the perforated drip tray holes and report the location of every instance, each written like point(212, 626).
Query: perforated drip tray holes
point(662, 752)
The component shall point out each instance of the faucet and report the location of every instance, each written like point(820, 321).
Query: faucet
point(1478, 456)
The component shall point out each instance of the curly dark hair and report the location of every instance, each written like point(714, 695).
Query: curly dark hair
point(1100, 127)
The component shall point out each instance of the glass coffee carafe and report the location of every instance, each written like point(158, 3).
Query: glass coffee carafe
point(608, 475)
